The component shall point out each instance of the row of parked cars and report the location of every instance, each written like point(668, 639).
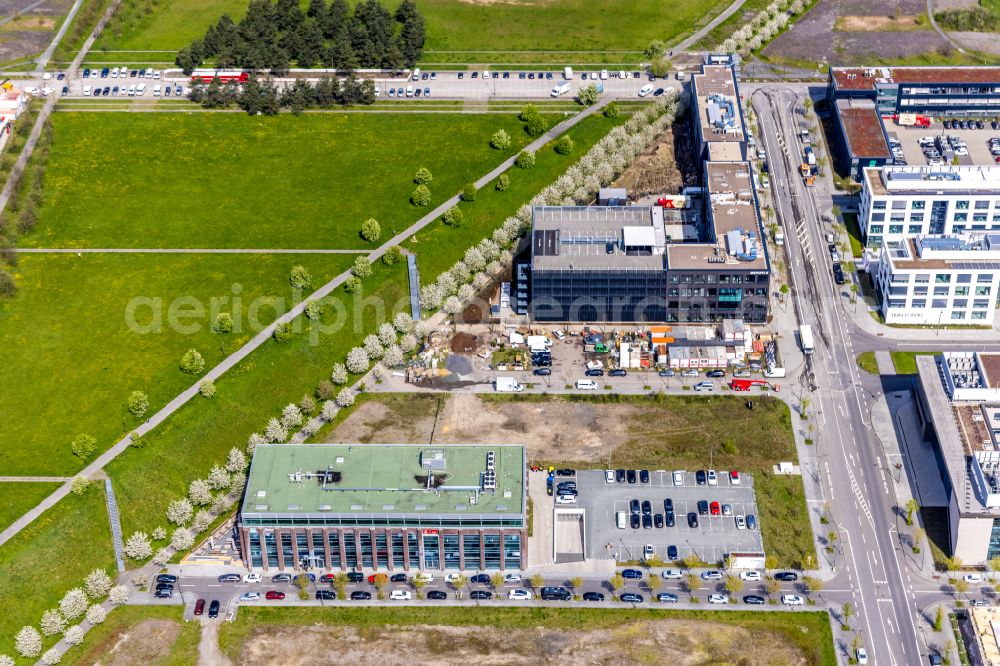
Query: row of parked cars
point(121, 73)
point(132, 90)
point(970, 124)
point(410, 91)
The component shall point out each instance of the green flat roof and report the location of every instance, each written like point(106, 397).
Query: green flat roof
point(383, 481)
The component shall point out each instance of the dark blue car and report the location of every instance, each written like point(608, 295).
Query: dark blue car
point(481, 578)
point(631, 574)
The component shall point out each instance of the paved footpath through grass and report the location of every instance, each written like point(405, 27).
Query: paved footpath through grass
point(267, 332)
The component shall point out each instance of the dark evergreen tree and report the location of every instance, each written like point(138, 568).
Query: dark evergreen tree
point(338, 21)
point(393, 59)
point(311, 44)
point(412, 35)
point(317, 10)
point(283, 13)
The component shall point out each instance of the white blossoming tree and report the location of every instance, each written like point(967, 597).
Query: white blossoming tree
point(339, 374)
point(52, 622)
point(291, 416)
point(97, 583)
point(74, 635)
point(163, 556)
point(118, 595)
point(73, 604)
point(6, 660)
point(51, 657)
point(96, 614)
point(218, 478)
point(373, 346)
point(387, 334)
point(236, 460)
point(28, 642)
point(179, 512)
point(393, 356)
point(138, 546)
point(199, 492)
point(275, 433)
point(181, 539)
point(255, 440)
point(345, 398)
point(159, 533)
point(357, 360)
point(202, 520)
point(408, 343)
point(403, 323)
point(453, 305)
point(329, 410)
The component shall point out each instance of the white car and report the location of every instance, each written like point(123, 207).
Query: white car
point(792, 600)
point(604, 75)
point(519, 594)
point(741, 523)
point(252, 578)
point(46, 76)
point(565, 499)
point(718, 598)
point(672, 574)
point(750, 575)
point(679, 477)
point(645, 90)
point(861, 656)
point(512, 579)
point(558, 335)
point(609, 476)
point(713, 478)
point(400, 595)
point(451, 578)
point(593, 76)
point(974, 579)
point(47, 91)
point(250, 596)
point(712, 574)
point(86, 91)
point(648, 551)
point(704, 386)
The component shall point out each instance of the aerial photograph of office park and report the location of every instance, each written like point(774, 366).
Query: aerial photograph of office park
point(521, 331)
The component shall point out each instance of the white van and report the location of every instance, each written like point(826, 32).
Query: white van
point(156, 90)
point(409, 91)
point(645, 90)
point(140, 90)
point(586, 385)
point(131, 90)
point(114, 72)
point(568, 73)
point(560, 89)
point(86, 91)
point(621, 520)
point(416, 74)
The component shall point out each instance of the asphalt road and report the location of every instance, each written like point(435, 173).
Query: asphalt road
point(853, 463)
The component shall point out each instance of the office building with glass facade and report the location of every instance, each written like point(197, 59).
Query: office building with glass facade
point(958, 410)
point(385, 508)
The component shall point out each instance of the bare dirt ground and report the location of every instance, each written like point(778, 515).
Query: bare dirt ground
point(812, 38)
point(665, 168)
point(985, 42)
point(30, 33)
point(146, 642)
point(676, 642)
point(208, 647)
point(587, 431)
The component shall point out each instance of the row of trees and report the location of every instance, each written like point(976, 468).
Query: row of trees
point(764, 26)
point(262, 96)
point(457, 286)
point(977, 19)
point(272, 35)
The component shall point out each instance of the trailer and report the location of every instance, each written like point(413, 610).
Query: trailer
point(806, 339)
point(744, 385)
point(507, 385)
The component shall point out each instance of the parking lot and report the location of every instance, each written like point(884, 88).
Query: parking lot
point(715, 536)
point(976, 142)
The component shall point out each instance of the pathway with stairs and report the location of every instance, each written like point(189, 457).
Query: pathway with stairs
point(116, 525)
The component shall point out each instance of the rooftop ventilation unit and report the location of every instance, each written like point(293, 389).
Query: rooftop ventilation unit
point(490, 481)
point(432, 459)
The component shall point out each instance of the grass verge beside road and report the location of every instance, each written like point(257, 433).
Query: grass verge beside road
point(806, 635)
point(906, 362)
point(853, 233)
point(140, 635)
point(51, 556)
point(16, 498)
point(866, 361)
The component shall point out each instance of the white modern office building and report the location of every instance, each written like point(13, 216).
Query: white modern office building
point(935, 280)
point(901, 202)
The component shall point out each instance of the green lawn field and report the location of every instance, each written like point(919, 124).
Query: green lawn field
point(51, 556)
point(16, 498)
point(229, 180)
point(78, 358)
point(458, 31)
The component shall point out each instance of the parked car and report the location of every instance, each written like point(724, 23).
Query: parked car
point(401, 595)
point(786, 576)
point(715, 373)
point(480, 594)
point(702, 507)
point(397, 578)
point(512, 579)
point(199, 607)
point(753, 599)
point(482, 579)
point(281, 578)
point(618, 372)
point(792, 600)
point(355, 577)
point(542, 371)
point(671, 549)
point(166, 578)
point(750, 575)
point(751, 522)
point(520, 594)
point(667, 373)
point(714, 508)
point(252, 577)
point(718, 598)
point(213, 609)
point(631, 597)
point(692, 519)
point(594, 372)
point(647, 508)
point(230, 578)
point(711, 574)
point(631, 476)
point(593, 596)
point(326, 595)
point(360, 595)
point(700, 477)
point(643, 476)
point(667, 598)
point(704, 386)
point(437, 595)
point(250, 596)
point(632, 574)
point(274, 595)
point(713, 478)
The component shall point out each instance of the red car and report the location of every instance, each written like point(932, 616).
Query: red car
point(199, 607)
point(274, 595)
point(379, 576)
point(714, 508)
point(326, 578)
point(734, 477)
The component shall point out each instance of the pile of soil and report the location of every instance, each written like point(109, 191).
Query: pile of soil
point(463, 343)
